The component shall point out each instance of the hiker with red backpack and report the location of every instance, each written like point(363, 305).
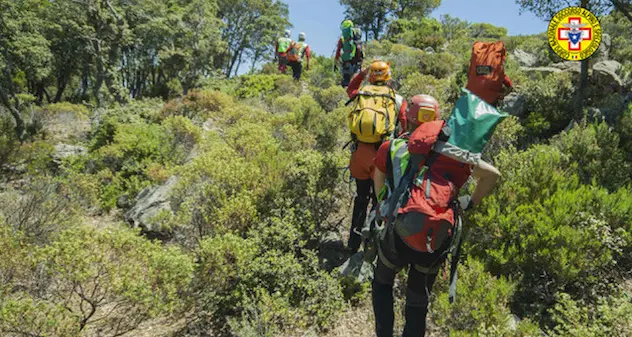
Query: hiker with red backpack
point(298, 51)
point(349, 54)
point(418, 176)
point(371, 121)
point(486, 77)
point(282, 47)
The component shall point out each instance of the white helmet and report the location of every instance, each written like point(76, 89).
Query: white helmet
point(287, 33)
point(301, 36)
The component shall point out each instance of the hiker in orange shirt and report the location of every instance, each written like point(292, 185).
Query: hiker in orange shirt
point(365, 146)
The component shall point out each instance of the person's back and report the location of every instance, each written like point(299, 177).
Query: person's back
point(298, 51)
point(419, 229)
point(282, 47)
point(348, 52)
point(371, 121)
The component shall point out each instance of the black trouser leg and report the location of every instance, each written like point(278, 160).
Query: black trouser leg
point(297, 69)
point(361, 202)
point(417, 297)
point(382, 296)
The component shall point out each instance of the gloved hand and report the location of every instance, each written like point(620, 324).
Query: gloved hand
point(335, 68)
point(466, 202)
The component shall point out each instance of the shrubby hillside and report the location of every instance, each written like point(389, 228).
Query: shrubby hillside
point(190, 203)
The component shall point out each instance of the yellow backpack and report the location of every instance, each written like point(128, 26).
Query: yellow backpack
point(374, 113)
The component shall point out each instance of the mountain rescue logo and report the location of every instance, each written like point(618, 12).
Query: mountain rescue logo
point(574, 33)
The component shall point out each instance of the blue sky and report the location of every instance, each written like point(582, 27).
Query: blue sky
point(320, 19)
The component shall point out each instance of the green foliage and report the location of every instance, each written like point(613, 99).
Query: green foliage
point(598, 154)
point(8, 140)
point(108, 280)
point(22, 315)
point(483, 31)
point(256, 85)
point(331, 98)
point(481, 307)
point(548, 102)
point(268, 289)
point(427, 32)
point(373, 16)
point(505, 136)
point(440, 65)
point(540, 210)
point(624, 129)
point(66, 107)
point(115, 267)
point(441, 89)
point(612, 317)
point(46, 208)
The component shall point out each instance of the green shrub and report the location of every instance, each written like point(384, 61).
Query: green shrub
point(273, 289)
point(481, 307)
point(37, 156)
point(623, 127)
point(427, 32)
point(331, 98)
point(66, 107)
point(119, 278)
point(439, 65)
point(8, 140)
point(22, 315)
point(612, 316)
point(198, 105)
point(595, 149)
point(128, 150)
point(256, 85)
point(417, 83)
point(321, 74)
point(43, 208)
point(505, 136)
point(549, 104)
point(216, 192)
point(486, 31)
point(540, 210)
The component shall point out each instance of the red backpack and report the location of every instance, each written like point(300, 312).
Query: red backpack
point(487, 70)
point(428, 184)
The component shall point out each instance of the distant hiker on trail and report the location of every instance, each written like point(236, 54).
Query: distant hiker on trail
point(297, 52)
point(371, 121)
point(283, 45)
point(349, 50)
point(418, 178)
point(486, 77)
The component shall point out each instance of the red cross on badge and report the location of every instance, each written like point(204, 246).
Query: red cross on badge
point(562, 34)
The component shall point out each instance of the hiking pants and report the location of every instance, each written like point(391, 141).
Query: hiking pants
point(364, 194)
point(348, 69)
point(393, 255)
point(283, 63)
point(297, 69)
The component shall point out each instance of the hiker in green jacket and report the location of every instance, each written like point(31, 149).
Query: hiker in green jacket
point(349, 52)
point(282, 47)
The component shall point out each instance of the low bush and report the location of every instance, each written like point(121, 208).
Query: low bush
point(481, 307)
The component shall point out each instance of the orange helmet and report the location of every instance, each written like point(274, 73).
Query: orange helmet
point(422, 108)
point(379, 71)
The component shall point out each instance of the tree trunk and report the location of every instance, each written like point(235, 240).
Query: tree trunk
point(61, 86)
point(15, 113)
point(583, 82)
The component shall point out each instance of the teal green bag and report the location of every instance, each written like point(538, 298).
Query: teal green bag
point(471, 124)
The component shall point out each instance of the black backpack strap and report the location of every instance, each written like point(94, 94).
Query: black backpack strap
point(455, 251)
